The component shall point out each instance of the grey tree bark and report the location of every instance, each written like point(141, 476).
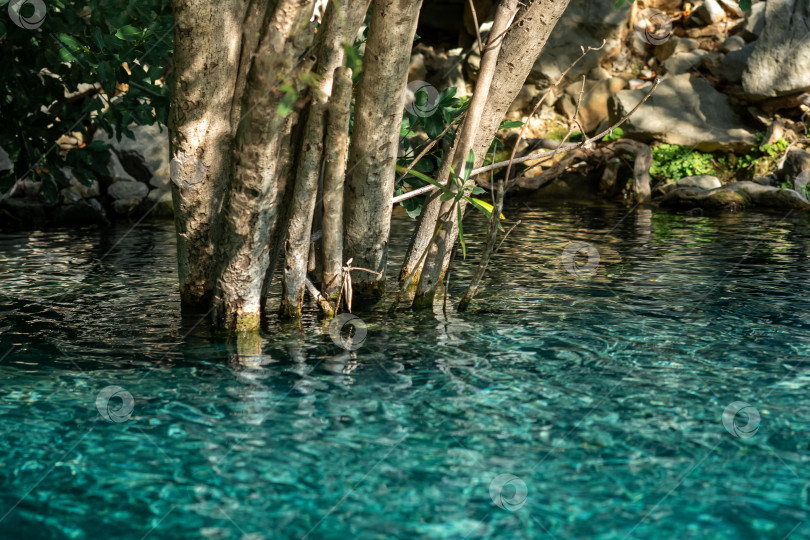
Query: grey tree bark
point(206, 60)
point(337, 148)
point(251, 207)
point(340, 22)
point(521, 46)
point(373, 152)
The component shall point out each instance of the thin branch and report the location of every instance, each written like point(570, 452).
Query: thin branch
point(584, 144)
point(477, 31)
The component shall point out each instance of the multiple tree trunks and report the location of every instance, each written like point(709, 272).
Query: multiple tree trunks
point(375, 141)
point(521, 47)
point(248, 166)
point(340, 24)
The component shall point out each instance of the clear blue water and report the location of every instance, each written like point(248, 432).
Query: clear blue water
point(603, 396)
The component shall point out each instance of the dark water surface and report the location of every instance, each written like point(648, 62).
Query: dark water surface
point(559, 406)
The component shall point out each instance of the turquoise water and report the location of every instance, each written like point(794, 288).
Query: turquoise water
point(601, 397)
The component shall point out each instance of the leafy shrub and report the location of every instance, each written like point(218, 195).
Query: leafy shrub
point(675, 162)
point(115, 49)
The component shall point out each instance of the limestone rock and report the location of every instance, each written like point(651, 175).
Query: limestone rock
point(683, 110)
point(735, 62)
point(585, 23)
point(684, 61)
point(779, 62)
point(159, 203)
point(704, 182)
point(736, 195)
point(128, 190)
point(754, 22)
point(796, 162)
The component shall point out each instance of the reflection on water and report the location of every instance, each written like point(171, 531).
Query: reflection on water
point(560, 405)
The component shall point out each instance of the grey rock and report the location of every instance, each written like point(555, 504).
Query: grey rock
point(711, 12)
point(779, 63)
point(86, 192)
point(585, 23)
point(128, 190)
point(754, 22)
point(125, 207)
point(735, 62)
point(674, 45)
point(704, 182)
point(116, 171)
point(683, 61)
point(736, 195)
point(796, 162)
point(732, 8)
point(416, 69)
point(733, 43)
point(68, 196)
point(683, 110)
point(143, 157)
point(770, 180)
point(160, 204)
point(28, 188)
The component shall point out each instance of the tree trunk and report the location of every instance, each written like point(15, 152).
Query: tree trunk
point(206, 62)
point(337, 147)
point(339, 21)
point(373, 153)
point(521, 47)
point(434, 262)
point(251, 207)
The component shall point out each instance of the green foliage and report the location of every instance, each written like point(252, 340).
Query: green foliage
point(111, 43)
point(446, 109)
point(674, 162)
point(457, 189)
point(761, 158)
point(614, 135)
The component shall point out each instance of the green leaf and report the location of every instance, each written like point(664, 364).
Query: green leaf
point(461, 233)
point(99, 37)
point(485, 207)
point(477, 190)
point(468, 167)
point(420, 176)
point(128, 33)
point(509, 124)
point(745, 5)
point(446, 196)
point(70, 42)
point(65, 55)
